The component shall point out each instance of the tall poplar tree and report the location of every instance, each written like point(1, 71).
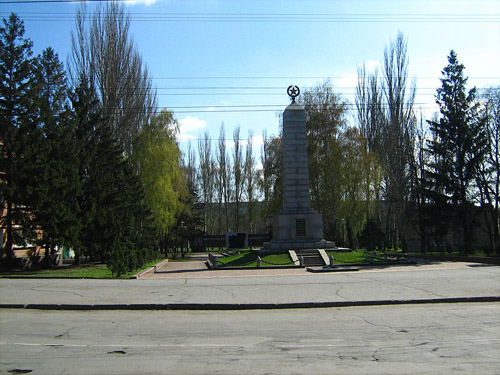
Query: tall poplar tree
point(104, 53)
point(386, 118)
point(238, 172)
point(207, 181)
point(250, 177)
point(489, 176)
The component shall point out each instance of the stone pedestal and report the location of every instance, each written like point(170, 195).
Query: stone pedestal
point(297, 226)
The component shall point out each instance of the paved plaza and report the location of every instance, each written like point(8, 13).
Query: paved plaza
point(185, 284)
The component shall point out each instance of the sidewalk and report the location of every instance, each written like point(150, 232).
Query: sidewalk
point(187, 285)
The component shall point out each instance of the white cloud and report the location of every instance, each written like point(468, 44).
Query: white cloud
point(372, 65)
point(348, 81)
point(257, 141)
point(189, 124)
point(182, 137)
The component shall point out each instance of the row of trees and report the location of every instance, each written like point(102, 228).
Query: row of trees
point(227, 183)
point(86, 162)
point(391, 170)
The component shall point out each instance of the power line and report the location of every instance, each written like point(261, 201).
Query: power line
point(291, 77)
point(351, 107)
point(268, 17)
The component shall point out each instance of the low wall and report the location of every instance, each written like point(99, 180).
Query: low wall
point(148, 272)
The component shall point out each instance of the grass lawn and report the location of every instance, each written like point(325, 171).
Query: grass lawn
point(350, 257)
point(86, 270)
point(249, 259)
point(359, 257)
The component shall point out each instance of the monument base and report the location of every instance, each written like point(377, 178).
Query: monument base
point(298, 231)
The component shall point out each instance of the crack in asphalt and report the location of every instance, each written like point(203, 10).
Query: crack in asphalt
point(38, 289)
point(339, 289)
point(422, 290)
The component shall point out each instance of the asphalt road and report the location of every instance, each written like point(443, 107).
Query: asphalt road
point(407, 339)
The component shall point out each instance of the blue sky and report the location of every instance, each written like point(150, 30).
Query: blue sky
point(256, 48)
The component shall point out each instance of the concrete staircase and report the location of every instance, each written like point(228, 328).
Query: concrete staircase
point(311, 257)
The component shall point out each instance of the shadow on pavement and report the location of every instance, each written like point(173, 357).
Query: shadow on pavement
point(483, 265)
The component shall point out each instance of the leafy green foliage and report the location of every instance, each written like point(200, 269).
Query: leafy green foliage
point(94, 270)
point(156, 157)
point(249, 259)
point(342, 173)
point(66, 178)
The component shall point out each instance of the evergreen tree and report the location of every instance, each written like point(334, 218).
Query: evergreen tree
point(457, 150)
point(86, 118)
point(54, 202)
point(19, 134)
point(116, 225)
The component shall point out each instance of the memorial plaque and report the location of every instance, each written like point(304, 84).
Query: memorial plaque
point(300, 227)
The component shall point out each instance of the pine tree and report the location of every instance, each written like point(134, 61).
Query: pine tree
point(86, 118)
point(19, 134)
point(457, 149)
point(54, 204)
point(116, 224)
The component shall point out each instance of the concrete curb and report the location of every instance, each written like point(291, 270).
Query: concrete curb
point(245, 306)
point(148, 272)
point(459, 258)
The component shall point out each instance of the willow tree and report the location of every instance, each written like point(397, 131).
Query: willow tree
point(157, 159)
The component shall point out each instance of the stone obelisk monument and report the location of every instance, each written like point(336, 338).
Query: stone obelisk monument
point(297, 226)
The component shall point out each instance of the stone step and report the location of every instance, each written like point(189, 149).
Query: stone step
point(311, 257)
